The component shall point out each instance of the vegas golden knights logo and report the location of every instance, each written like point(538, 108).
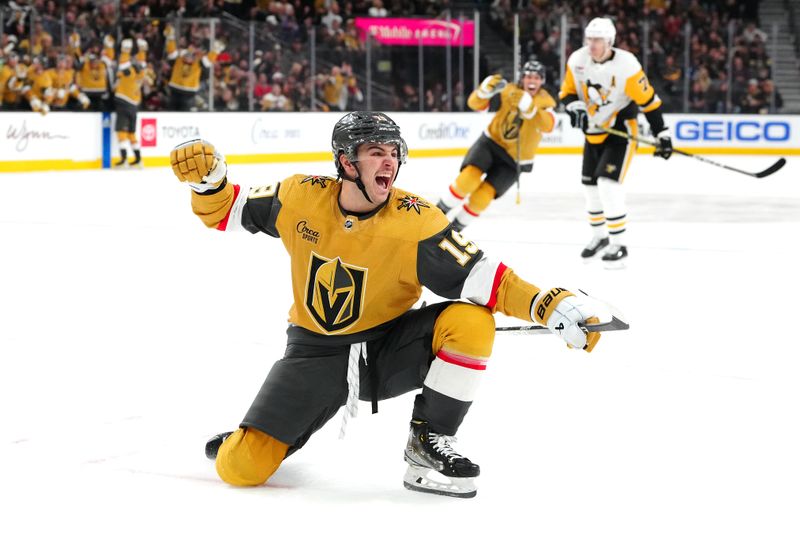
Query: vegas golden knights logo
point(334, 293)
point(511, 125)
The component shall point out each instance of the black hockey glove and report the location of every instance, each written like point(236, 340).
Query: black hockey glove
point(578, 117)
point(663, 145)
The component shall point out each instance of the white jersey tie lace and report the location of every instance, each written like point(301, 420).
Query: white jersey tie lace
point(353, 384)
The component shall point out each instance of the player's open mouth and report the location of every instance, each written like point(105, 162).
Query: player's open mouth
point(383, 182)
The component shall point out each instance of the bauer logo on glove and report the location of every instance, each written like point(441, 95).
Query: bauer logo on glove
point(565, 314)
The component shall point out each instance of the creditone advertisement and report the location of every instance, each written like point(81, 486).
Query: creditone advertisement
point(409, 32)
point(75, 140)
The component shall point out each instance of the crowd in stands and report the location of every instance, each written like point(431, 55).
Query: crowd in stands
point(747, 88)
point(256, 56)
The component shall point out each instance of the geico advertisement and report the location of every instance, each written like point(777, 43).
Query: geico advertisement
point(31, 136)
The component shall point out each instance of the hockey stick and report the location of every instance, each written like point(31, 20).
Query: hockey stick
point(616, 324)
point(763, 174)
point(517, 61)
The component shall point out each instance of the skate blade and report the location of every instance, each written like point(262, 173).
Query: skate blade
point(422, 479)
point(614, 265)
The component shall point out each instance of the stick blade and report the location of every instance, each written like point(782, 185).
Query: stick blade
point(616, 324)
point(773, 169)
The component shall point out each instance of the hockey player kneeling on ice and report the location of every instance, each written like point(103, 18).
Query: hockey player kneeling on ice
point(494, 163)
point(606, 87)
point(361, 250)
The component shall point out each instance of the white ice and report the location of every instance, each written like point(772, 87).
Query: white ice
point(129, 334)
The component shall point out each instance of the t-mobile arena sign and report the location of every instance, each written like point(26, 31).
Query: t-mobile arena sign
point(407, 32)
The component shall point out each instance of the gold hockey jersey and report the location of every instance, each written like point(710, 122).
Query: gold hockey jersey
point(351, 274)
point(63, 85)
point(185, 76)
point(509, 123)
point(92, 77)
point(130, 78)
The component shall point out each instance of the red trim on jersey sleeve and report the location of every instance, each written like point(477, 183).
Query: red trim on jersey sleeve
point(222, 226)
point(498, 276)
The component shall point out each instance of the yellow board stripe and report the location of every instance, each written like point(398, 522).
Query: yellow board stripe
point(163, 161)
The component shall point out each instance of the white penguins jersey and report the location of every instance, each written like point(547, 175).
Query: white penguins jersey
point(613, 90)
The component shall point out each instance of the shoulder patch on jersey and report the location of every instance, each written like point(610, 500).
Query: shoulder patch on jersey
point(322, 181)
point(410, 202)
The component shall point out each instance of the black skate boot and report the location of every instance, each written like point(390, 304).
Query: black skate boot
point(615, 256)
point(594, 246)
point(428, 452)
point(444, 208)
point(458, 226)
point(123, 161)
point(213, 444)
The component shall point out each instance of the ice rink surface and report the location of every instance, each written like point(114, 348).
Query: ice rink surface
point(129, 334)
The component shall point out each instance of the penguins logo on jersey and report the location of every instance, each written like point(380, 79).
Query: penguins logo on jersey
point(334, 293)
point(596, 94)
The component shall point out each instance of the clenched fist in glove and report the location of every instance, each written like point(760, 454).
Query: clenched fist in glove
point(564, 314)
point(198, 164)
point(663, 144)
point(491, 86)
point(578, 116)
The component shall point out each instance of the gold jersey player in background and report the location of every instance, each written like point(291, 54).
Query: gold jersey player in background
point(506, 148)
point(606, 87)
point(131, 74)
point(361, 250)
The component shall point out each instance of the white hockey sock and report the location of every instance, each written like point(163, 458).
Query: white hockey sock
point(613, 197)
point(466, 216)
point(125, 145)
point(456, 376)
point(451, 199)
point(594, 209)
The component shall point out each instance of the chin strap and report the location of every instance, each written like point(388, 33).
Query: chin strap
point(357, 181)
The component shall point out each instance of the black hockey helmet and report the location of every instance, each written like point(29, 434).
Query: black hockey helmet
point(359, 127)
point(534, 67)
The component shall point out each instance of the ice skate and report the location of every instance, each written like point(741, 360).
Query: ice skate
point(615, 256)
point(213, 444)
point(594, 247)
point(122, 164)
point(434, 467)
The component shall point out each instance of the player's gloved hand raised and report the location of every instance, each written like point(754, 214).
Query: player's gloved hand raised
point(197, 163)
point(578, 116)
point(663, 144)
point(564, 314)
point(491, 85)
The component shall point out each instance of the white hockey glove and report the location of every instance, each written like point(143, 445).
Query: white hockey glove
point(526, 105)
point(108, 41)
point(578, 115)
point(564, 314)
point(491, 86)
point(126, 45)
point(197, 163)
point(141, 45)
point(217, 47)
